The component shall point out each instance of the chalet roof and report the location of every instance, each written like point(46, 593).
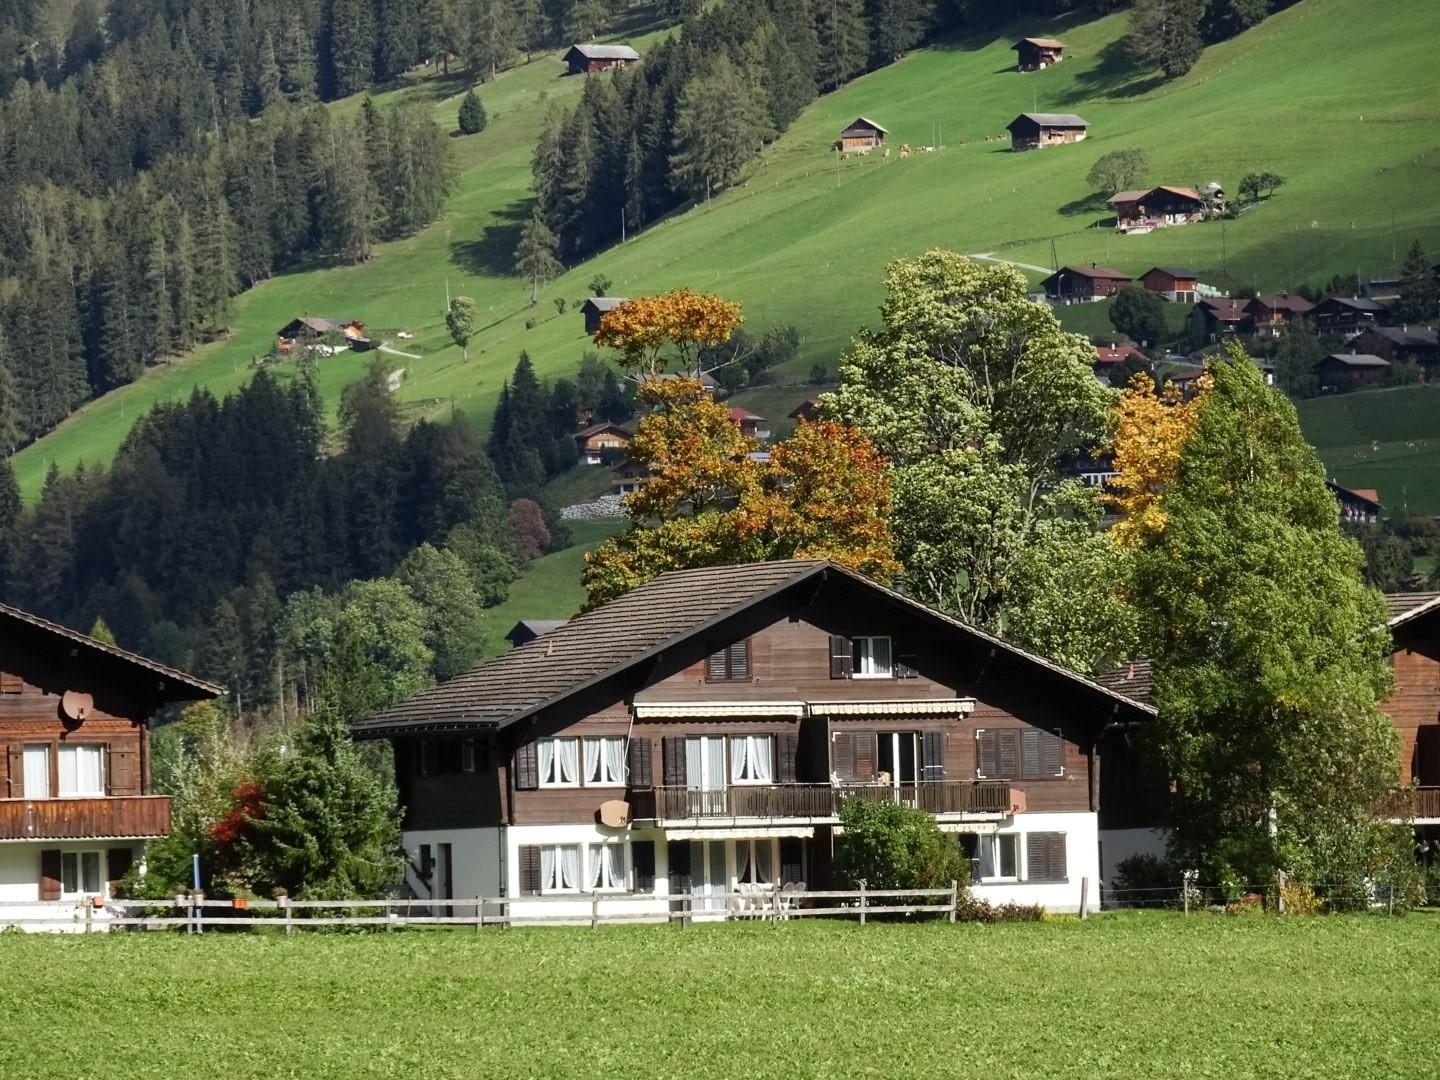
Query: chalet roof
point(805, 409)
point(13, 615)
point(1406, 335)
point(1133, 680)
point(591, 51)
point(1189, 193)
point(1173, 271)
point(1403, 607)
point(706, 379)
point(861, 122)
point(1357, 303)
point(630, 629)
point(1039, 43)
point(1355, 494)
point(1225, 308)
point(533, 628)
point(1284, 302)
point(1092, 272)
point(601, 428)
point(1129, 195)
point(1116, 353)
point(1357, 360)
point(603, 303)
point(737, 414)
point(1052, 120)
point(321, 326)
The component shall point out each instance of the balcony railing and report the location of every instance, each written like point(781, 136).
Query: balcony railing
point(816, 800)
point(85, 819)
point(1422, 802)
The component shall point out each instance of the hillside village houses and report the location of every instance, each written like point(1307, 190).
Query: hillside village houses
point(1031, 131)
point(592, 442)
point(1036, 54)
point(1269, 315)
point(1174, 283)
point(1339, 370)
point(310, 331)
point(1357, 505)
point(76, 801)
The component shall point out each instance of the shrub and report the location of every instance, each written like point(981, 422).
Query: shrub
point(1298, 898)
point(472, 114)
point(1249, 904)
point(1145, 881)
point(889, 846)
point(969, 909)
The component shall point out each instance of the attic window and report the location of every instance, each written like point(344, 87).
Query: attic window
point(729, 664)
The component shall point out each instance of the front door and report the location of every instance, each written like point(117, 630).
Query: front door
point(709, 876)
point(705, 775)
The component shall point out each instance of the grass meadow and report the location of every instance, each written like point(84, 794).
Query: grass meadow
point(1403, 465)
point(1147, 995)
point(1332, 94)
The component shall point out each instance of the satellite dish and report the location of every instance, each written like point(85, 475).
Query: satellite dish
point(614, 814)
point(76, 705)
point(1017, 801)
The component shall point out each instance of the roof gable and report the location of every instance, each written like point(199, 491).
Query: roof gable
point(1047, 119)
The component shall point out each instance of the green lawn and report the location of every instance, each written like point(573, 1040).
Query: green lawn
point(1402, 464)
point(1118, 996)
point(1327, 93)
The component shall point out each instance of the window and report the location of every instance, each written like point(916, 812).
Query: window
point(605, 761)
point(607, 867)
point(80, 873)
point(872, 658)
point(426, 757)
point(751, 759)
point(82, 770)
point(560, 868)
point(559, 761)
point(730, 664)
point(999, 857)
point(37, 771)
point(468, 755)
point(754, 862)
point(1019, 754)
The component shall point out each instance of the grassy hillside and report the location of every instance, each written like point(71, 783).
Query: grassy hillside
point(1328, 93)
point(1403, 465)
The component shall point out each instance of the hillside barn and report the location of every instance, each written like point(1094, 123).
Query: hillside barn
point(861, 135)
point(1081, 284)
point(584, 59)
point(1224, 314)
point(1341, 371)
point(1031, 131)
point(595, 308)
point(1172, 282)
point(307, 330)
point(1036, 53)
point(1157, 207)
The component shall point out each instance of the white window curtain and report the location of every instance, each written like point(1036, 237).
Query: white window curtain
point(738, 747)
point(614, 760)
point(763, 873)
point(987, 857)
point(594, 762)
point(607, 866)
point(715, 763)
point(694, 762)
point(37, 772)
point(81, 770)
point(742, 861)
point(570, 866)
point(545, 750)
point(760, 758)
point(567, 753)
point(548, 865)
point(604, 761)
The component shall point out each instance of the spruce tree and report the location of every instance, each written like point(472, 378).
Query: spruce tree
point(348, 46)
point(1166, 34)
point(472, 114)
point(1419, 299)
point(10, 530)
point(296, 58)
point(843, 41)
point(535, 257)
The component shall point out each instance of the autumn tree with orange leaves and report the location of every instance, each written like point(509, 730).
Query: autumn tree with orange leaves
point(1150, 433)
point(679, 322)
point(824, 493)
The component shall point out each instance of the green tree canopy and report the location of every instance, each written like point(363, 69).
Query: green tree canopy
point(890, 846)
point(1118, 170)
point(472, 114)
point(1139, 314)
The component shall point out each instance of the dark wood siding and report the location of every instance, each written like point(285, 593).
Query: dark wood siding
point(1415, 706)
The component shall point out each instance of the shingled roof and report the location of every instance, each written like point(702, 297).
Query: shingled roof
point(1132, 680)
point(628, 630)
point(1410, 605)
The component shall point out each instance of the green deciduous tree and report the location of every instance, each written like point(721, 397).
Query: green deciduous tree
point(1139, 314)
point(1118, 170)
point(1270, 652)
point(445, 588)
point(536, 255)
point(890, 846)
point(460, 321)
point(1296, 355)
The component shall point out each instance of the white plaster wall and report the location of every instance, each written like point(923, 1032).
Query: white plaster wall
point(1082, 861)
point(20, 886)
point(476, 857)
point(580, 907)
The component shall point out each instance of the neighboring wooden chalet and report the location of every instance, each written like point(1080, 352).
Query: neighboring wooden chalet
point(749, 423)
point(1401, 343)
point(1356, 505)
point(629, 479)
point(584, 59)
point(861, 136)
point(593, 441)
point(307, 330)
point(76, 806)
point(701, 732)
point(707, 380)
point(1035, 54)
point(595, 308)
point(1271, 314)
point(1109, 358)
point(1156, 208)
point(1415, 706)
point(1224, 315)
point(1031, 131)
point(1346, 314)
point(527, 630)
point(809, 409)
point(1172, 282)
point(1080, 284)
point(1341, 371)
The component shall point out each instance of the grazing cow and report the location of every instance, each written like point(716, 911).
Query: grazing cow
point(885, 153)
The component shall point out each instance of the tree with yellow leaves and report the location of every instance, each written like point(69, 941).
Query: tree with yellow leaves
point(1150, 433)
point(680, 320)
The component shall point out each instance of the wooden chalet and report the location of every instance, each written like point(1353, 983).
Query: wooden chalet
point(586, 59)
point(1174, 283)
point(1270, 315)
point(1414, 707)
point(308, 330)
point(1109, 358)
point(1356, 504)
point(701, 732)
point(1082, 284)
point(1346, 314)
point(861, 136)
point(1417, 344)
point(1224, 315)
point(1156, 208)
point(1031, 131)
point(1036, 54)
point(593, 441)
point(1343, 371)
point(749, 423)
point(595, 309)
point(76, 803)
point(809, 410)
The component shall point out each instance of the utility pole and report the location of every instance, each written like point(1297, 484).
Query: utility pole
point(622, 225)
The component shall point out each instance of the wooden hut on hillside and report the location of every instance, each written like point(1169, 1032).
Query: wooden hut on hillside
point(583, 59)
point(1035, 53)
point(1031, 131)
point(861, 135)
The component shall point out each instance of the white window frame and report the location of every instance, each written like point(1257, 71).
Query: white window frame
point(749, 844)
point(79, 861)
point(546, 888)
point(469, 754)
point(28, 755)
point(599, 741)
point(597, 851)
point(993, 840)
point(744, 780)
point(863, 654)
point(75, 750)
point(555, 763)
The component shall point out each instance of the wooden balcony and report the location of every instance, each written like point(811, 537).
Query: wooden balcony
point(816, 800)
point(1422, 802)
point(85, 819)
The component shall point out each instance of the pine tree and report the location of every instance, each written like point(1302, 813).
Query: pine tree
point(494, 36)
point(1419, 299)
point(348, 46)
point(720, 124)
point(350, 209)
point(1166, 34)
point(472, 114)
point(102, 632)
point(12, 416)
point(397, 38)
point(267, 76)
point(535, 257)
point(895, 27)
point(296, 59)
point(10, 530)
point(843, 41)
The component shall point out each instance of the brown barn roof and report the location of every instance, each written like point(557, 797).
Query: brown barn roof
point(1039, 42)
point(1052, 120)
point(1358, 360)
point(635, 627)
point(864, 124)
point(1133, 680)
point(1094, 272)
point(1173, 271)
point(1284, 302)
point(1410, 605)
point(596, 429)
point(592, 51)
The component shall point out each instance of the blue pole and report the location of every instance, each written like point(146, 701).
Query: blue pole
point(195, 874)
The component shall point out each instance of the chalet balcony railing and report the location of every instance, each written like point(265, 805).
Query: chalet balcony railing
point(816, 800)
point(1422, 802)
point(85, 819)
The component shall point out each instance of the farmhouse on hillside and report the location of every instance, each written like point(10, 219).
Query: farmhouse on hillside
point(1036, 53)
point(1340, 371)
point(1414, 343)
point(1081, 284)
point(1346, 314)
point(583, 59)
point(1156, 208)
point(1271, 314)
point(1356, 505)
point(1224, 315)
point(76, 802)
point(861, 136)
point(307, 330)
point(1031, 131)
point(748, 423)
point(698, 734)
point(594, 310)
point(593, 441)
point(809, 410)
point(1172, 282)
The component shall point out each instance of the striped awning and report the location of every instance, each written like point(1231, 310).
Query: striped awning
point(681, 710)
point(742, 832)
point(933, 707)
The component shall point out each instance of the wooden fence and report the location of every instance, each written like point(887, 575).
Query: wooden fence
point(196, 914)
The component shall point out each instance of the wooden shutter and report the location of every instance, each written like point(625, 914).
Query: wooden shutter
point(792, 864)
point(904, 660)
point(122, 769)
point(1030, 754)
point(527, 770)
point(842, 755)
point(15, 756)
point(932, 756)
point(715, 669)
point(1045, 856)
point(642, 762)
point(1040, 754)
point(529, 870)
point(1052, 754)
point(11, 684)
point(642, 858)
point(842, 657)
point(50, 874)
point(864, 756)
point(678, 856)
point(117, 862)
point(730, 663)
point(672, 753)
point(787, 746)
point(987, 757)
point(1007, 746)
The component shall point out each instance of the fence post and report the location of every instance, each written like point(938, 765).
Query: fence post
point(89, 912)
point(862, 901)
point(1390, 894)
point(1084, 898)
point(1187, 878)
point(1280, 891)
point(775, 903)
point(285, 904)
point(687, 912)
point(594, 910)
point(954, 898)
point(479, 913)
